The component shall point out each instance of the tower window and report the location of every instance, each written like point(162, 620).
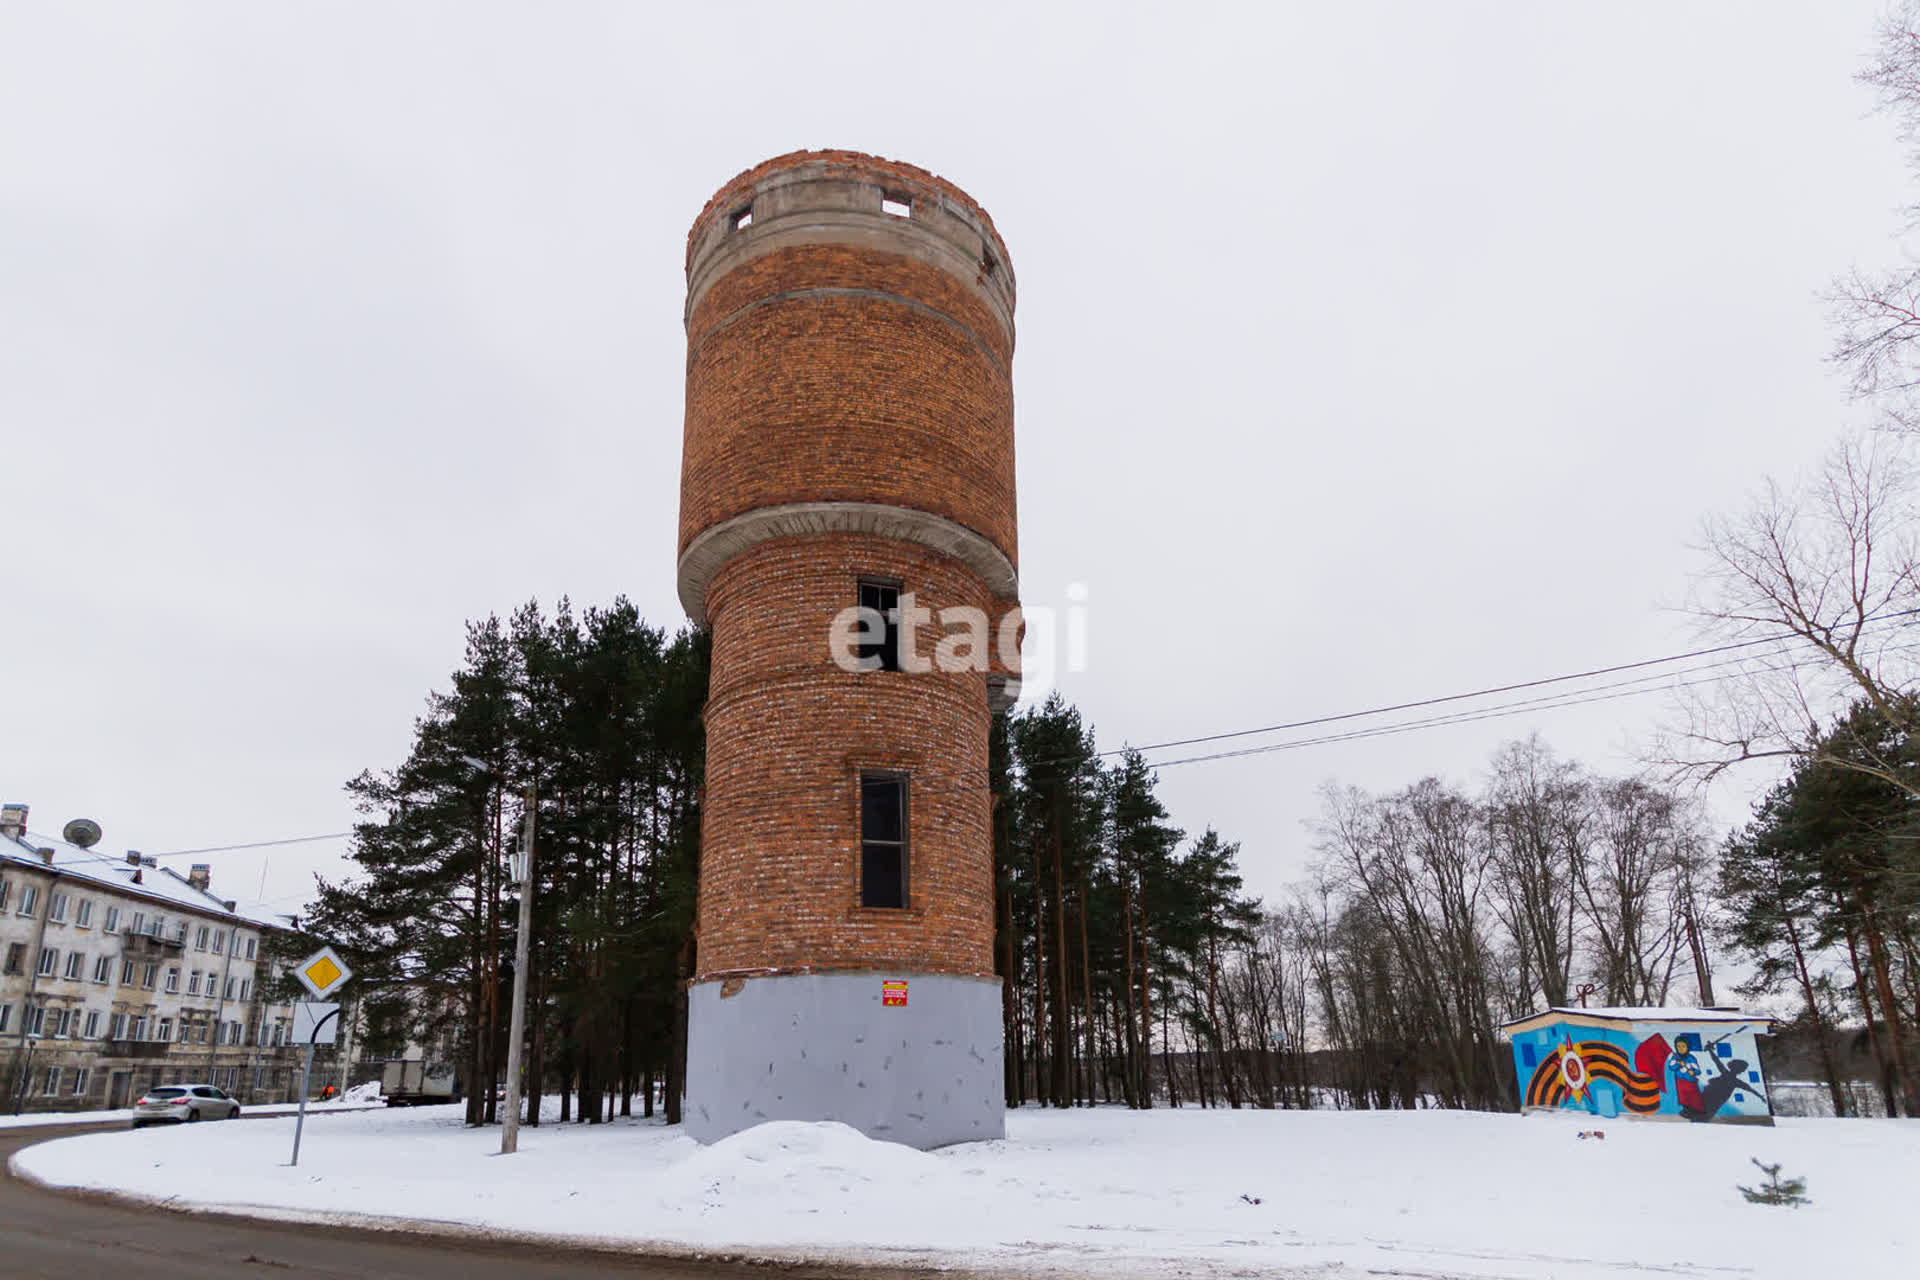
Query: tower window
point(898, 205)
point(883, 598)
point(883, 840)
point(743, 218)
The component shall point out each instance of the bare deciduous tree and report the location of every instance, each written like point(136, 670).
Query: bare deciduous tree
point(1539, 813)
point(1822, 580)
point(1635, 887)
point(1876, 315)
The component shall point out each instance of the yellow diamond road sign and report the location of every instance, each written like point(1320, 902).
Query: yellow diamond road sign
point(322, 973)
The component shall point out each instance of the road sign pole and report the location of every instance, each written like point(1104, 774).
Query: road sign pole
point(306, 1075)
point(306, 1081)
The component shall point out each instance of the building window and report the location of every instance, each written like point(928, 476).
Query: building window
point(57, 908)
point(139, 924)
point(883, 840)
point(880, 620)
point(200, 939)
point(29, 898)
point(83, 913)
point(6, 1016)
point(102, 968)
point(80, 1081)
point(246, 988)
point(53, 1081)
point(113, 919)
point(139, 1031)
point(193, 981)
point(76, 965)
point(251, 944)
point(6, 891)
point(49, 958)
point(117, 1027)
point(62, 1023)
point(896, 203)
point(92, 1030)
point(126, 973)
point(34, 1021)
point(16, 956)
point(230, 985)
point(220, 942)
point(151, 974)
point(173, 981)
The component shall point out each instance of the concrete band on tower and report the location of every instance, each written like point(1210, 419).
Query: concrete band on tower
point(849, 441)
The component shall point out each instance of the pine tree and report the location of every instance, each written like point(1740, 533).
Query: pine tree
point(601, 713)
point(1791, 1192)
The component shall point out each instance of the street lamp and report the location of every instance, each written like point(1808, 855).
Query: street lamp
point(521, 865)
point(25, 1084)
point(523, 876)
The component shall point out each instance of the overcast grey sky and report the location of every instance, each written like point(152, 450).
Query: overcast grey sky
point(1366, 352)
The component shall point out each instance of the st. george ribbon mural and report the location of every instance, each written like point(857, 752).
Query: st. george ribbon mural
point(1701, 1065)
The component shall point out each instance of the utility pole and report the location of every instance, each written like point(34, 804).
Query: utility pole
point(523, 872)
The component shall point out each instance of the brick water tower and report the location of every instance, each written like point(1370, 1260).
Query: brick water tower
point(848, 460)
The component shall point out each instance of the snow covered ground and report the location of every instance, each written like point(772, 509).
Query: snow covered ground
point(1103, 1192)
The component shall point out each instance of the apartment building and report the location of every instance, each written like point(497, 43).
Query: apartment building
point(118, 974)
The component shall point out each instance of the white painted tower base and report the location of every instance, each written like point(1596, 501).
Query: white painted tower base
point(823, 1046)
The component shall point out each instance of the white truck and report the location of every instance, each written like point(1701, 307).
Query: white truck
point(415, 1082)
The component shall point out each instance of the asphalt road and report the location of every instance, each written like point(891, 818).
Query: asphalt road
point(70, 1236)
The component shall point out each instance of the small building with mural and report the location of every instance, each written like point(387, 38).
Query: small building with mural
point(1701, 1065)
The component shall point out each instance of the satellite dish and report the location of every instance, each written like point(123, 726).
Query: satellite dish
point(84, 832)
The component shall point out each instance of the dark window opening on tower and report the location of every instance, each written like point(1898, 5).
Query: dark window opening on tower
point(883, 840)
point(883, 599)
point(743, 219)
point(898, 205)
point(987, 264)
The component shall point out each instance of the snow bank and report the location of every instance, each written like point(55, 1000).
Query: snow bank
point(1104, 1192)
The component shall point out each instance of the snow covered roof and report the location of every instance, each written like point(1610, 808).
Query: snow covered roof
point(156, 883)
point(1642, 1013)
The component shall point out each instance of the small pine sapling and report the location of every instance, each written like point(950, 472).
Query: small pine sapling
point(1790, 1192)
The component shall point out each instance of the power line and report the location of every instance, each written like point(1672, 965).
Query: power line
point(1497, 689)
point(258, 844)
point(1549, 702)
point(1654, 683)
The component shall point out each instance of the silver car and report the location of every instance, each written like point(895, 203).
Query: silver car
point(183, 1103)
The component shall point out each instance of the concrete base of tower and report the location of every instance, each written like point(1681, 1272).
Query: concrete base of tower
point(843, 1046)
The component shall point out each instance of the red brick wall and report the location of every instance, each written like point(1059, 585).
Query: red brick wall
point(800, 391)
point(788, 733)
point(826, 397)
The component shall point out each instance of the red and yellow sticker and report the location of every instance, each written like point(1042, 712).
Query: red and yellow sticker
point(893, 994)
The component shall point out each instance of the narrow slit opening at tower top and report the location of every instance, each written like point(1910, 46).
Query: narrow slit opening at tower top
point(743, 219)
point(898, 205)
point(883, 840)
